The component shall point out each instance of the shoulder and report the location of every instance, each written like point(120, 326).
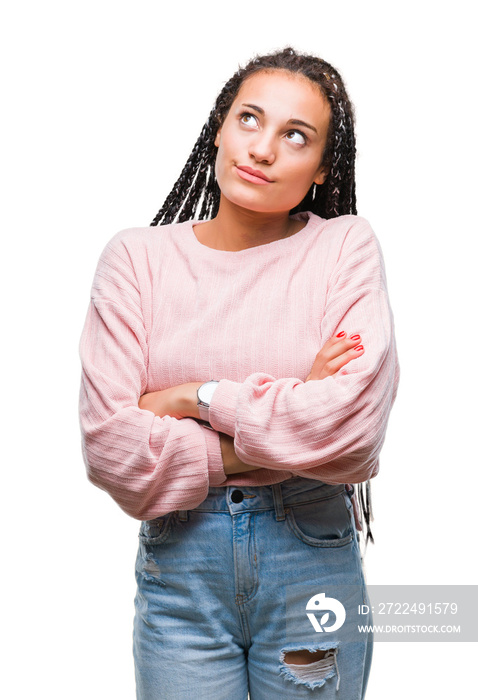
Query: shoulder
point(139, 246)
point(131, 255)
point(342, 227)
point(357, 235)
point(342, 236)
point(350, 251)
point(140, 240)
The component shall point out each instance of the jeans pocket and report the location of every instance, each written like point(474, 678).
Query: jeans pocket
point(322, 523)
point(157, 531)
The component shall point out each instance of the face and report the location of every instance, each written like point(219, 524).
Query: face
point(271, 143)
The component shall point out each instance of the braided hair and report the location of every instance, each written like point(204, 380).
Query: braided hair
point(196, 193)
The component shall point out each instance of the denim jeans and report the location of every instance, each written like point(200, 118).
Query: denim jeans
point(222, 595)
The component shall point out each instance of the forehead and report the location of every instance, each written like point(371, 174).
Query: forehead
point(285, 95)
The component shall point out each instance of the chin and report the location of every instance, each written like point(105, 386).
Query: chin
point(257, 204)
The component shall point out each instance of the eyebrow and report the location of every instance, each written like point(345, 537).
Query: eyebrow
point(296, 122)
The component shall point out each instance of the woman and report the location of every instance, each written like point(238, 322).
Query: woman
point(208, 413)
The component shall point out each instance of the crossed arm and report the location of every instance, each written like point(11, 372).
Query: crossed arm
point(181, 401)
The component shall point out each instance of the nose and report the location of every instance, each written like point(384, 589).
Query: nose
point(262, 148)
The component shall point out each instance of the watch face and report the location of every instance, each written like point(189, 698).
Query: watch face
point(206, 392)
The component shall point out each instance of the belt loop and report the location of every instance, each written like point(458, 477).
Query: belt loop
point(278, 503)
point(183, 515)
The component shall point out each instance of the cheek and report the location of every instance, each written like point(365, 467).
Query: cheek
point(302, 177)
point(223, 147)
point(218, 168)
point(226, 155)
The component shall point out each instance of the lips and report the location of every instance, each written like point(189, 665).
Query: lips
point(252, 175)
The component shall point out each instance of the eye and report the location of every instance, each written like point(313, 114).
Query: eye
point(296, 137)
point(248, 119)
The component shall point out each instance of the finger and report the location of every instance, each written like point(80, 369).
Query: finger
point(337, 363)
point(333, 342)
point(327, 369)
point(332, 349)
point(337, 345)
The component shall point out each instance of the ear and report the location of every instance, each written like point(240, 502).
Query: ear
point(217, 140)
point(321, 176)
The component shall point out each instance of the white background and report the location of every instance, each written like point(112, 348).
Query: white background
point(102, 104)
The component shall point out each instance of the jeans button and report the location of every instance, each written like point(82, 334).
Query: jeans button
point(237, 496)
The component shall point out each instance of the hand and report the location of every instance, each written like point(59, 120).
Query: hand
point(232, 463)
point(178, 401)
point(335, 354)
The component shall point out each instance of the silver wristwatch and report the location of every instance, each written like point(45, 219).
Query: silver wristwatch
point(205, 394)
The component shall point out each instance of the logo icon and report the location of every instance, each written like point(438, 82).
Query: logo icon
point(321, 602)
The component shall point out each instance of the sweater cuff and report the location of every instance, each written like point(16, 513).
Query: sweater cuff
point(222, 411)
point(215, 464)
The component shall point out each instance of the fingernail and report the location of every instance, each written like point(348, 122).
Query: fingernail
point(359, 348)
point(341, 334)
point(354, 337)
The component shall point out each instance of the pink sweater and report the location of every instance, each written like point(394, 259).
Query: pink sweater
point(166, 310)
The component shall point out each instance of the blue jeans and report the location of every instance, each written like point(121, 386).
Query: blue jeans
point(223, 590)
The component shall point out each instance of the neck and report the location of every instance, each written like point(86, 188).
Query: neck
point(235, 228)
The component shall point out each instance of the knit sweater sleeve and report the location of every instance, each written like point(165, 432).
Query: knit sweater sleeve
point(149, 465)
point(330, 429)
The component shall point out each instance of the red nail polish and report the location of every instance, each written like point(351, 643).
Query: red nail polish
point(359, 348)
point(341, 334)
point(354, 337)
